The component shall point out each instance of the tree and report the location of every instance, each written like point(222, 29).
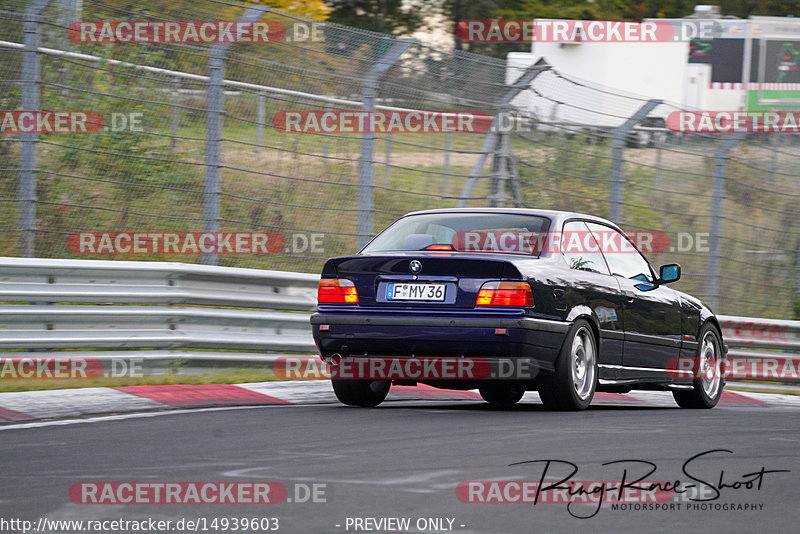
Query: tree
point(383, 16)
point(596, 10)
point(745, 8)
point(316, 9)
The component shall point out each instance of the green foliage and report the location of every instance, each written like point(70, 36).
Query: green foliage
point(383, 16)
point(634, 9)
point(745, 8)
point(595, 10)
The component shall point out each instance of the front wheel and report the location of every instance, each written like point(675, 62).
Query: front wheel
point(364, 393)
point(708, 385)
point(572, 385)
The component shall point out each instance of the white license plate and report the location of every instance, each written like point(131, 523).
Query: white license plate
point(401, 291)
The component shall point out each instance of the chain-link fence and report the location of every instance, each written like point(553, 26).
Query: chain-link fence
point(194, 139)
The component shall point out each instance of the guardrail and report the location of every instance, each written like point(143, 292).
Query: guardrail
point(80, 304)
point(205, 312)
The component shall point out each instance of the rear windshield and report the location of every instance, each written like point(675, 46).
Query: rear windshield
point(464, 232)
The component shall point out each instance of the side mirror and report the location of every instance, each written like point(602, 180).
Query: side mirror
point(669, 273)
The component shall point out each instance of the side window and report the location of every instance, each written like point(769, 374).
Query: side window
point(622, 257)
point(580, 249)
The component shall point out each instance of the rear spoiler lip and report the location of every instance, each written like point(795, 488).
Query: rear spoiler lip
point(497, 256)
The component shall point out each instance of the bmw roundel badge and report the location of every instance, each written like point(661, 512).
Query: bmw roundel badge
point(415, 266)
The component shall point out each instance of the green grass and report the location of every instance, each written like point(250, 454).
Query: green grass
point(226, 376)
point(752, 387)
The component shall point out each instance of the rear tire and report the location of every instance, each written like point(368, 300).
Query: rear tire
point(503, 396)
point(572, 385)
point(364, 393)
point(707, 387)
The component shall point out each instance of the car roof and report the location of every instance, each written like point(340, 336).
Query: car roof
point(553, 215)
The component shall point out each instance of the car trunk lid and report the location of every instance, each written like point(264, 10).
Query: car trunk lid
point(421, 280)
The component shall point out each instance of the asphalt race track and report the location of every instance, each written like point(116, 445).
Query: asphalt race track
point(405, 459)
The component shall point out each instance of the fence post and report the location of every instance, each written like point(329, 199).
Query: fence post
point(499, 175)
point(214, 121)
point(519, 85)
point(26, 184)
point(261, 117)
point(387, 168)
point(69, 11)
point(617, 148)
point(796, 299)
point(505, 175)
point(448, 146)
point(365, 170)
point(488, 145)
point(175, 111)
point(715, 229)
point(657, 177)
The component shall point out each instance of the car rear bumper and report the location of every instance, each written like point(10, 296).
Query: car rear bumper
point(374, 335)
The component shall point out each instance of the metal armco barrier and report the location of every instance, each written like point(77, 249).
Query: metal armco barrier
point(174, 307)
point(774, 337)
point(81, 304)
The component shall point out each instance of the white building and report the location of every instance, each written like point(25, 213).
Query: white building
point(704, 74)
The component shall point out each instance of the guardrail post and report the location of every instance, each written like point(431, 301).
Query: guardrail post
point(365, 160)
point(715, 229)
point(617, 149)
point(214, 121)
point(519, 85)
point(26, 181)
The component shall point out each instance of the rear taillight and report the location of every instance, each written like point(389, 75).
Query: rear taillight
point(505, 294)
point(337, 291)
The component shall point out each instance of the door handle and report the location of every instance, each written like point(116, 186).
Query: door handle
point(631, 296)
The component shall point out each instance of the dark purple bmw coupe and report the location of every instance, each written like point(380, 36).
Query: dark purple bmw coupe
point(513, 300)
